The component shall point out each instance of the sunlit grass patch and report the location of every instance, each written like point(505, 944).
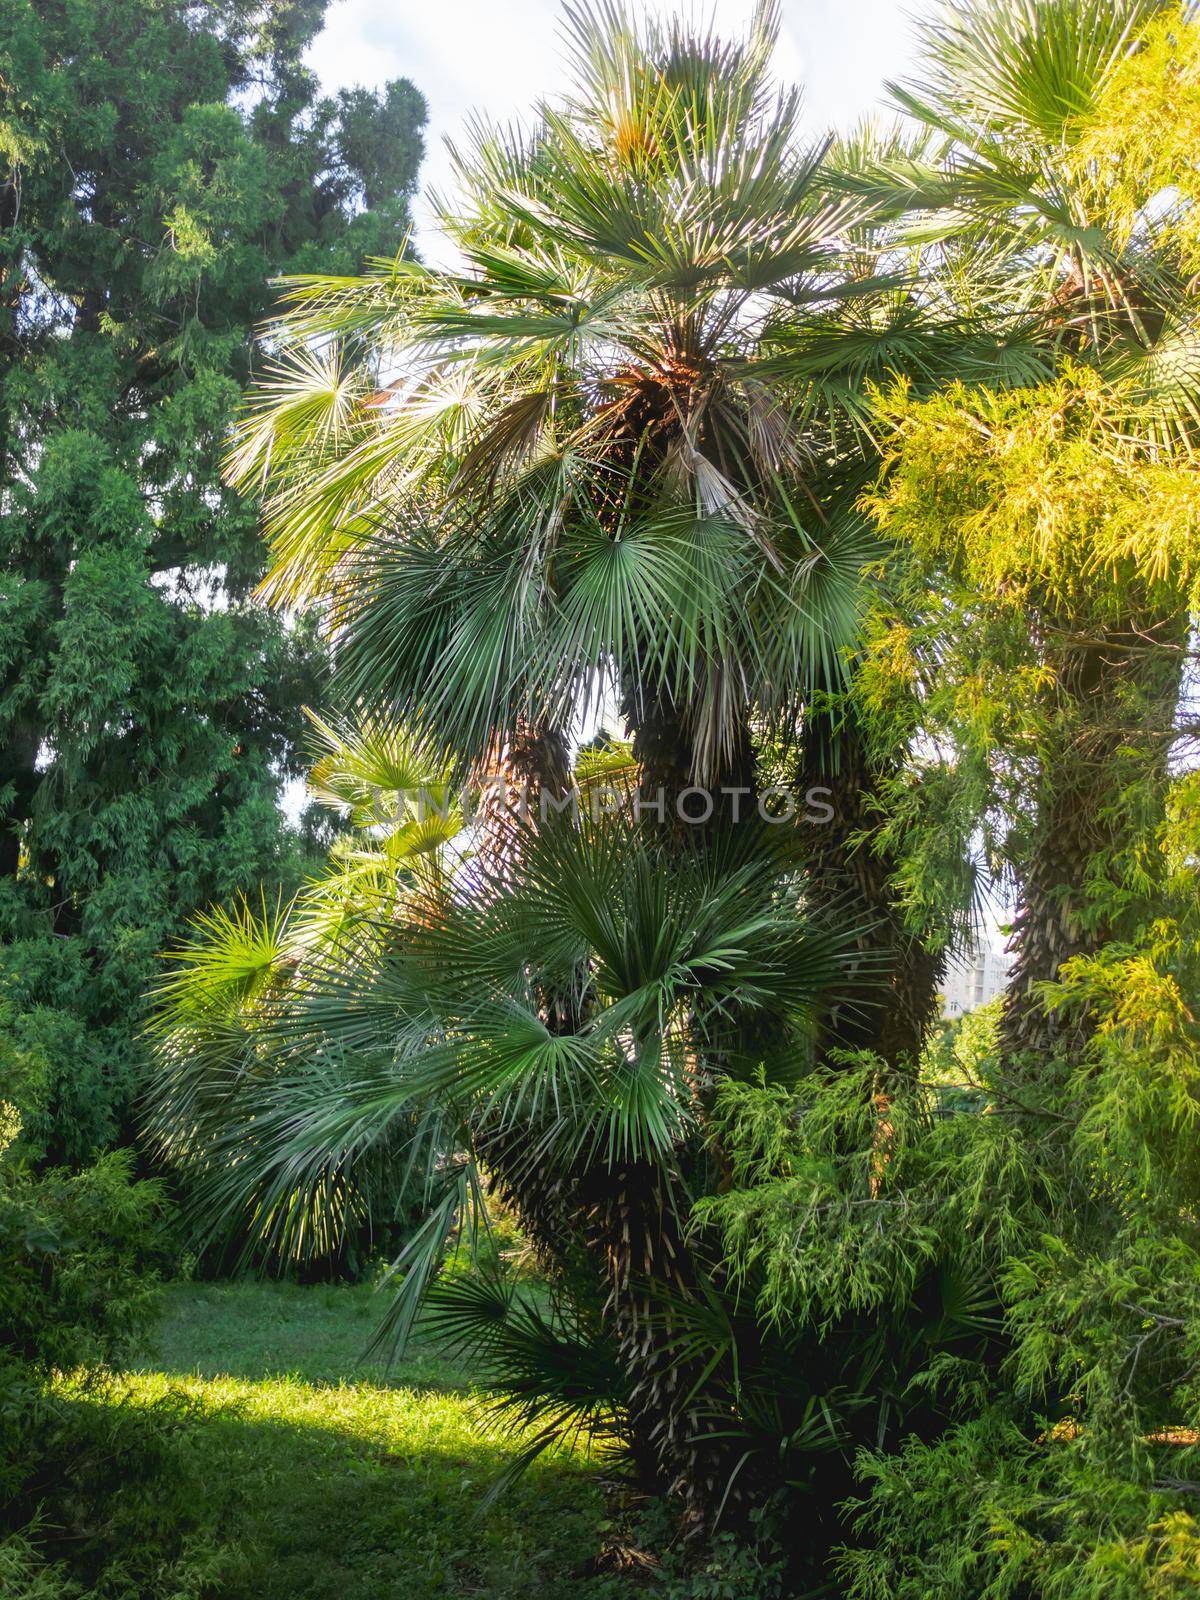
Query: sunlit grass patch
point(350, 1481)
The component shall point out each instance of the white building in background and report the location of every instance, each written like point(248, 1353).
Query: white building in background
point(974, 980)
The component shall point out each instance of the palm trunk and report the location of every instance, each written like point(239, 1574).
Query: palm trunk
point(622, 1228)
point(629, 1220)
point(1115, 709)
point(1052, 925)
point(665, 753)
point(539, 760)
point(679, 1412)
point(849, 878)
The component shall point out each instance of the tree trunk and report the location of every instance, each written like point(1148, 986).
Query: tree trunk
point(1052, 925)
point(539, 759)
point(898, 1002)
point(628, 1221)
point(680, 1413)
point(1113, 716)
point(665, 753)
point(18, 782)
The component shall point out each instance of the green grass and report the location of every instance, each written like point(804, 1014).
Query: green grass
point(319, 1334)
point(345, 1481)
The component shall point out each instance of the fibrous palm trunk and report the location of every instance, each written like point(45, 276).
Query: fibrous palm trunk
point(580, 1214)
point(899, 975)
point(1112, 719)
point(1054, 923)
point(681, 1410)
point(679, 1407)
point(630, 1217)
point(665, 753)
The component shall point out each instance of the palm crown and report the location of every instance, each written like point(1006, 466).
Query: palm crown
point(1056, 229)
point(616, 442)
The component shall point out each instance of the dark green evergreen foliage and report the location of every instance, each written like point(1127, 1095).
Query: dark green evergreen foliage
point(79, 1253)
point(159, 161)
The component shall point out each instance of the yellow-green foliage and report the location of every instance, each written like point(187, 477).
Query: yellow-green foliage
point(980, 1515)
point(1141, 143)
point(1071, 1473)
point(1047, 558)
point(1041, 496)
point(962, 1052)
point(836, 1206)
point(1069, 1208)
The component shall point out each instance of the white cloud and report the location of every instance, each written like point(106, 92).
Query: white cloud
point(499, 58)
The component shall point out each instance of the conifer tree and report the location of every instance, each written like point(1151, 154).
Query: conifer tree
point(159, 163)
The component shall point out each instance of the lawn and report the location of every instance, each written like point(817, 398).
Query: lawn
point(346, 1481)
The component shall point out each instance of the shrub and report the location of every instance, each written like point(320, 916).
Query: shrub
point(1051, 1450)
point(96, 1494)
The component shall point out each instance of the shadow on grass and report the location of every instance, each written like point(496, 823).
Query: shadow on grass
point(324, 1476)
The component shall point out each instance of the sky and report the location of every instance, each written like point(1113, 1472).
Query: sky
point(500, 56)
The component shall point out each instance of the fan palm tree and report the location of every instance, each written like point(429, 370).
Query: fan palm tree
point(575, 458)
point(622, 444)
point(400, 1022)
